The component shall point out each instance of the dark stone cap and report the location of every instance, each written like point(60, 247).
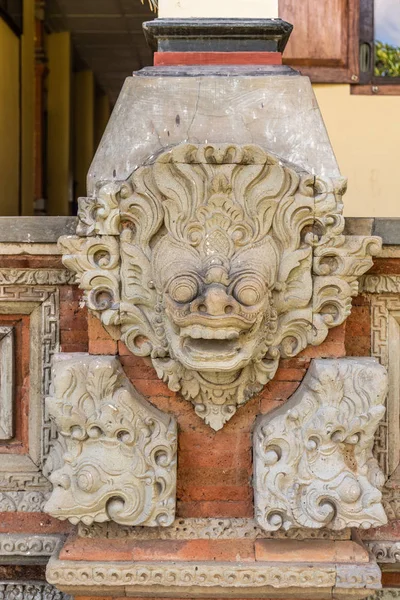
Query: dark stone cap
point(217, 35)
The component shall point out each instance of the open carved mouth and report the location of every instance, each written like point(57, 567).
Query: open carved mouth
point(211, 348)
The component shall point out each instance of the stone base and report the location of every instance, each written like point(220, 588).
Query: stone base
point(320, 569)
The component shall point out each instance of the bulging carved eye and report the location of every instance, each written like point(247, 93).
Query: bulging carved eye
point(249, 291)
point(88, 479)
point(184, 289)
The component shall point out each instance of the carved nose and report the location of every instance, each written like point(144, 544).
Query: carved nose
point(217, 302)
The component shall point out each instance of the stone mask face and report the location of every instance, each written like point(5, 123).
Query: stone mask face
point(217, 307)
point(215, 261)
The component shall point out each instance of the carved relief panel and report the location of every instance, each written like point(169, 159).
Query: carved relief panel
point(6, 381)
point(119, 461)
point(313, 462)
point(215, 261)
point(29, 312)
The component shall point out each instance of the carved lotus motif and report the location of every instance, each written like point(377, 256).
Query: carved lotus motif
point(215, 261)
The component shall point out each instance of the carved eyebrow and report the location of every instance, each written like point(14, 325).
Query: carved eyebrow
point(185, 273)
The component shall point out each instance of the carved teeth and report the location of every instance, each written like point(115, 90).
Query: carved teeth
point(198, 332)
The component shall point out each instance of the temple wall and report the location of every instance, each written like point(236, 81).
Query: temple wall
point(214, 477)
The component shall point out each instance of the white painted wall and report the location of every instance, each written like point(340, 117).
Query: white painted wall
point(218, 8)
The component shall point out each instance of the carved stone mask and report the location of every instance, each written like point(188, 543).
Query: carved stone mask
point(215, 261)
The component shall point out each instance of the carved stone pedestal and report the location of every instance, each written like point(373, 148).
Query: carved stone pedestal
point(212, 245)
point(214, 565)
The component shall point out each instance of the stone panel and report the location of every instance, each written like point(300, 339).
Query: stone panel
point(6, 382)
point(313, 463)
point(119, 459)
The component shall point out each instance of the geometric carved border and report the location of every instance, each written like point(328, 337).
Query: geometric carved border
point(385, 552)
point(6, 381)
point(30, 547)
point(22, 474)
point(205, 528)
point(212, 580)
point(385, 346)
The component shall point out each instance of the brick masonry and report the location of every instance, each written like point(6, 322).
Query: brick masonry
point(214, 468)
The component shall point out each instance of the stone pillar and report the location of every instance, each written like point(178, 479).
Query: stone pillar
point(214, 262)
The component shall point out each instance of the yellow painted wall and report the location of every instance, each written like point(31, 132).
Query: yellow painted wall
point(365, 135)
point(9, 121)
point(59, 171)
point(28, 109)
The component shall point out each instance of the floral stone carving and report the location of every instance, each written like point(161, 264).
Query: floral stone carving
point(313, 462)
point(120, 458)
point(215, 261)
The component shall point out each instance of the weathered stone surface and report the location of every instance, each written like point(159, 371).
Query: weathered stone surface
point(215, 580)
point(313, 463)
point(215, 261)
point(388, 229)
point(385, 552)
point(386, 594)
point(6, 381)
point(29, 546)
point(206, 528)
point(30, 590)
point(154, 112)
point(35, 230)
point(385, 347)
point(22, 482)
point(120, 457)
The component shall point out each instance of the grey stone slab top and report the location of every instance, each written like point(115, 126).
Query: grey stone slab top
point(35, 230)
point(217, 71)
point(388, 230)
point(277, 112)
point(42, 230)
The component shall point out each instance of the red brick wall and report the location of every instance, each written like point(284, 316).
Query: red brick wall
point(214, 468)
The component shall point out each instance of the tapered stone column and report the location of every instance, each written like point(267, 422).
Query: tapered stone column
point(211, 244)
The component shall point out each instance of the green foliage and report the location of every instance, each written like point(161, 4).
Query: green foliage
point(387, 60)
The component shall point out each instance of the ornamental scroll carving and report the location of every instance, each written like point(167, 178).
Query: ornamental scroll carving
point(215, 261)
point(313, 462)
point(120, 456)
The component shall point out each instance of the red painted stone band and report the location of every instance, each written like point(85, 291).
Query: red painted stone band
point(217, 58)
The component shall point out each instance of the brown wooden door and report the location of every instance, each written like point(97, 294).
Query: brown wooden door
point(324, 42)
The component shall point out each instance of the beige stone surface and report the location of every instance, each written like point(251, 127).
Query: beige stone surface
point(313, 462)
point(254, 9)
point(215, 261)
point(120, 455)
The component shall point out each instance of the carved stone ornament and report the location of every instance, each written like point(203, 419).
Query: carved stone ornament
point(197, 579)
point(120, 458)
point(199, 528)
point(313, 462)
point(30, 590)
point(215, 261)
